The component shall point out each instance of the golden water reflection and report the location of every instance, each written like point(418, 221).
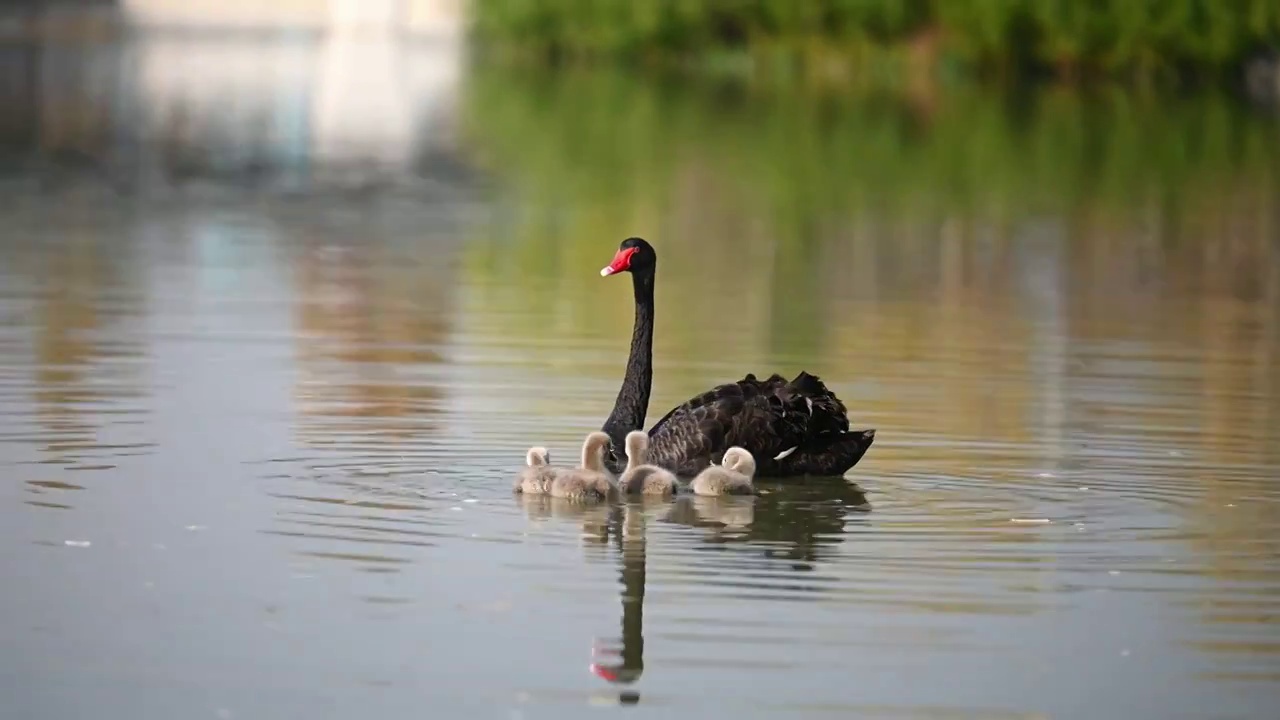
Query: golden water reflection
point(363, 320)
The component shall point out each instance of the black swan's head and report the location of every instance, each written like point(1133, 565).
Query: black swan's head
point(635, 256)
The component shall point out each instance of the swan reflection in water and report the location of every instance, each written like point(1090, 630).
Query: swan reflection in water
point(803, 518)
point(595, 517)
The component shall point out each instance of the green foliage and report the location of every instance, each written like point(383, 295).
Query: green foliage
point(1130, 37)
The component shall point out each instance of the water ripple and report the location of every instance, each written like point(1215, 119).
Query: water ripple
point(273, 438)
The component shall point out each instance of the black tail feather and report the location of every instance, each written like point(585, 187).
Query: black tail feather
point(807, 384)
point(829, 455)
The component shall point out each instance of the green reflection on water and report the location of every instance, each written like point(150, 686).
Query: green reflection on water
point(604, 138)
point(772, 198)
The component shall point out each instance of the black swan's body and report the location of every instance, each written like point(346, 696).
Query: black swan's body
point(791, 427)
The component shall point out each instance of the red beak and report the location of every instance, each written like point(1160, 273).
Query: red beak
point(621, 261)
point(604, 672)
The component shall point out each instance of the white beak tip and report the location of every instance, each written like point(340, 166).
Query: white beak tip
point(606, 271)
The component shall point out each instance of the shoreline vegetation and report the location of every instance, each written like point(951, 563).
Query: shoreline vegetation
point(1143, 42)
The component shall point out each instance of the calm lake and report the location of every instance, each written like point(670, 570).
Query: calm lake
point(279, 318)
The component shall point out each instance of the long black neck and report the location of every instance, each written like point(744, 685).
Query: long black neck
point(633, 397)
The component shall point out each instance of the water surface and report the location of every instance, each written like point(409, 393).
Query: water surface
point(268, 363)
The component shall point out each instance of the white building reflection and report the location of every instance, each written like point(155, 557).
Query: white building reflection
point(347, 91)
point(441, 19)
point(340, 99)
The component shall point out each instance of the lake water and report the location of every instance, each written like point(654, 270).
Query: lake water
point(279, 318)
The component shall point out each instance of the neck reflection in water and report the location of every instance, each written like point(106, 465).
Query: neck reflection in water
point(795, 521)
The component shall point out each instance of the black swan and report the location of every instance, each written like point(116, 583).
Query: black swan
point(792, 428)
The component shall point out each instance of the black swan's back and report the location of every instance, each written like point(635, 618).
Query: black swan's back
point(794, 427)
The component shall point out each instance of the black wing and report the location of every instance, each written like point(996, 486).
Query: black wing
point(767, 417)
